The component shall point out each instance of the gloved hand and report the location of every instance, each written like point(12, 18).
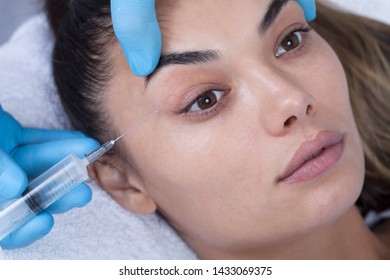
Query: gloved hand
point(28, 153)
point(309, 7)
point(136, 27)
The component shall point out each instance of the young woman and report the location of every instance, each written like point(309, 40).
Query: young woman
point(255, 151)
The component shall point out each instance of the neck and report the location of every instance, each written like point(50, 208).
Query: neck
point(347, 238)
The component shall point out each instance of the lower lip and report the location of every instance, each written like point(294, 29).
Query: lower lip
point(316, 166)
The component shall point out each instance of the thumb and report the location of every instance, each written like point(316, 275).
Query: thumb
point(13, 180)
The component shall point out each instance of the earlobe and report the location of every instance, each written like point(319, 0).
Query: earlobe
point(123, 185)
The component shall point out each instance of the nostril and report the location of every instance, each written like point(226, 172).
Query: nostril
point(290, 121)
point(309, 109)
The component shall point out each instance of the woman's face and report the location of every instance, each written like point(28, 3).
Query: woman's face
point(254, 142)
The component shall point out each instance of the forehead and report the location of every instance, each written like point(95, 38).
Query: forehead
point(205, 24)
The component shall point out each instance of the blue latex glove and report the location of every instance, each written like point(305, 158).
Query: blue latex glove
point(136, 27)
point(26, 153)
point(309, 7)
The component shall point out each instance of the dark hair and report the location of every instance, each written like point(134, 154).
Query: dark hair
point(82, 69)
point(81, 63)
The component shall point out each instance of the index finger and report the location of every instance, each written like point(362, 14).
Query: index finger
point(37, 136)
point(309, 7)
point(37, 158)
point(136, 27)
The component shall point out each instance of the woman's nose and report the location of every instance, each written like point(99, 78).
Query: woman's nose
point(290, 106)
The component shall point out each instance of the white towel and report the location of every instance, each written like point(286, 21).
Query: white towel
point(103, 229)
point(375, 9)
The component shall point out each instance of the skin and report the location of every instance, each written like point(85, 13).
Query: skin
point(213, 175)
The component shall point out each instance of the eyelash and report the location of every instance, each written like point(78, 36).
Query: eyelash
point(303, 40)
point(210, 112)
point(220, 104)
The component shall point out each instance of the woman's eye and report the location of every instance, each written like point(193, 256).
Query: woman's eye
point(206, 100)
point(292, 41)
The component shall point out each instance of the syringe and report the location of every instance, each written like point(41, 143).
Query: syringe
point(53, 184)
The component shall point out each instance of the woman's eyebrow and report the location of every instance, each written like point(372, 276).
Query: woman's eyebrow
point(274, 10)
point(184, 58)
point(205, 56)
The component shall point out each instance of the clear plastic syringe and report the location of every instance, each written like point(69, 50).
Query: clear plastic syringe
point(52, 185)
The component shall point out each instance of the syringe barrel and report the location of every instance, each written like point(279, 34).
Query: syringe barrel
point(43, 191)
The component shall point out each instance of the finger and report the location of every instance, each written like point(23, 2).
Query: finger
point(13, 180)
point(78, 197)
point(30, 232)
point(309, 7)
point(10, 131)
point(36, 136)
point(36, 158)
point(136, 27)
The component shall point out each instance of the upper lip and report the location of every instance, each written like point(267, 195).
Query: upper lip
point(310, 149)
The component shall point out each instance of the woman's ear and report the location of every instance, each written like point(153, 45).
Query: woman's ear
point(123, 184)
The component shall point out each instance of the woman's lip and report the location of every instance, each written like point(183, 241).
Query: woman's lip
point(314, 157)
